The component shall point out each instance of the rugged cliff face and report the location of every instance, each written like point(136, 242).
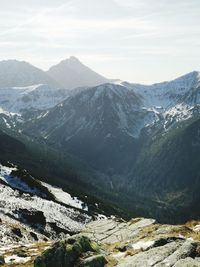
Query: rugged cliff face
point(114, 242)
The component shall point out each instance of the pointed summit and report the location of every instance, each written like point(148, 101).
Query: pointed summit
point(72, 73)
point(73, 59)
point(72, 62)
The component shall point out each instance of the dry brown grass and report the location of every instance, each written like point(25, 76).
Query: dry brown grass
point(32, 251)
point(111, 261)
point(132, 252)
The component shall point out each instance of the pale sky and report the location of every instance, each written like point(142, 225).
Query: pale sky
point(135, 40)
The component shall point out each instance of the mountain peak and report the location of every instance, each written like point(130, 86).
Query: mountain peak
point(72, 60)
point(72, 73)
point(188, 80)
point(193, 74)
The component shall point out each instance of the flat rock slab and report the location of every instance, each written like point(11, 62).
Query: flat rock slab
point(151, 257)
point(111, 231)
point(144, 243)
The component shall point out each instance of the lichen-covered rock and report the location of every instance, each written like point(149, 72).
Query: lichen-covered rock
point(88, 245)
point(67, 253)
point(188, 262)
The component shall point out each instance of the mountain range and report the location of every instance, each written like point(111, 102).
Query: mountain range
point(136, 146)
point(68, 74)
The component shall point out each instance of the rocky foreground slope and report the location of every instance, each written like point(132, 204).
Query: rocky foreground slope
point(112, 242)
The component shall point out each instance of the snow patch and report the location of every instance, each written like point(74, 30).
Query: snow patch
point(142, 244)
point(196, 228)
point(66, 198)
point(14, 181)
point(16, 259)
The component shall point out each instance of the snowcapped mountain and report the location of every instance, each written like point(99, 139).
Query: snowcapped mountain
point(167, 94)
point(25, 88)
point(71, 73)
point(173, 101)
point(99, 124)
point(165, 103)
point(35, 97)
point(110, 119)
point(18, 104)
point(15, 73)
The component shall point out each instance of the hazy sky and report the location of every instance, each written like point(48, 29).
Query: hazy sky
point(136, 40)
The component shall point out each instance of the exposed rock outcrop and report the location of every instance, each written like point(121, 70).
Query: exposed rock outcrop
point(113, 242)
point(72, 252)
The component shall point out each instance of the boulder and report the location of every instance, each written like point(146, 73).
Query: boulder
point(67, 253)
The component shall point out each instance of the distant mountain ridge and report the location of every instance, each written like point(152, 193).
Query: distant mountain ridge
point(15, 73)
point(35, 97)
point(68, 74)
point(71, 73)
point(111, 116)
point(24, 87)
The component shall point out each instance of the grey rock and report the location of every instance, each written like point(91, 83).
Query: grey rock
point(188, 262)
point(111, 231)
point(186, 250)
point(66, 253)
point(151, 257)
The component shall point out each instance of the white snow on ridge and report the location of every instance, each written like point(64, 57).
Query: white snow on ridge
point(15, 182)
point(65, 197)
point(16, 259)
point(165, 101)
point(6, 123)
point(35, 97)
point(166, 94)
point(2, 111)
point(12, 200)
point(27, 89)
point(180, 112)
point(5, 171)
point(172, 101)
point(60, 195)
